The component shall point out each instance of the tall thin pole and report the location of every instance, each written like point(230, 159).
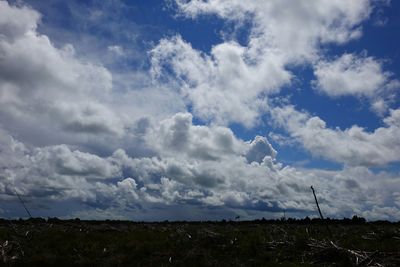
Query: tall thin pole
point(316, 201)
point(23, 204)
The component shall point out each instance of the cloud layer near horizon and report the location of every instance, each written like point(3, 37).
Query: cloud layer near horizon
point(211, 168)
point(70, 132)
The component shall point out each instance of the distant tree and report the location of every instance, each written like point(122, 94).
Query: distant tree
point(358, 220)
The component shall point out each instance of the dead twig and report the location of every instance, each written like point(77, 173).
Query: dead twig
point(23, 204)
point(361, 258)
point(316, 201)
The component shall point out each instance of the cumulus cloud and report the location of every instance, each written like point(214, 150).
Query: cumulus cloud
point(48, 95)
point(76, 132)
point(259, 149)
point(16, 21)
point(190, 173)
point(281, 24)
point(231, 83)
point(39, 82)
point(352, 146)
point(359, 76)
point(223, 87)
point(350, 75)
point(246, 177)
point(183, 139)
point(62, 161)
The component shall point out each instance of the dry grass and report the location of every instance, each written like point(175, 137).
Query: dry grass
point(260, 243)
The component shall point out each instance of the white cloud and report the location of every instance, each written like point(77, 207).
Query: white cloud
point(235, 179)
point(64, 120)
point(259, 149)
point(351, 75)
point(280, 139)
point(62, 161)
point(116, 49)
point(222, 87)
point(293, 27)
point(183, 139)
point(16, 21)
point(360, 76)
point(48, 95)
point(352, 146)
point(232, 82)
point(39, 81)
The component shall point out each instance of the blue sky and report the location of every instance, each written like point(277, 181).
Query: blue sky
point(154, 110)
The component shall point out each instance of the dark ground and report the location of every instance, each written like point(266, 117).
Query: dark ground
point(52, 242)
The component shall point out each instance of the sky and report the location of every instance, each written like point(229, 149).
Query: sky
point(199, 109)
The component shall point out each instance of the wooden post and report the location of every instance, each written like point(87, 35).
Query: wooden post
point(316, 201)
point(23, 204)
point(320, 213)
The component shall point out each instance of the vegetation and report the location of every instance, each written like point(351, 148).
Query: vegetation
point(348, 242)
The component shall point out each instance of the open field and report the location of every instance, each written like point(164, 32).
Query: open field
point(38, 242)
